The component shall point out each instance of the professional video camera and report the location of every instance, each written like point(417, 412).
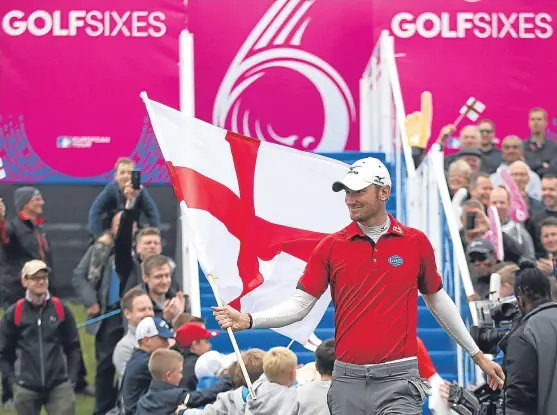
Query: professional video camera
point(480, 401)
point(496, 318)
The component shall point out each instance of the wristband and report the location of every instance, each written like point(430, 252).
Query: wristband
point(250, 321)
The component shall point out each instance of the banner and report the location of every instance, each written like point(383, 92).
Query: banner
point(487, 49)
point(70, 76)
point(283, 71)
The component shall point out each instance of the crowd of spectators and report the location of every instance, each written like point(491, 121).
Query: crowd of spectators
point(475, 182)
point(160, 354)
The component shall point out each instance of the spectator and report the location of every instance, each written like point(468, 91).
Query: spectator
point(49, 353)
point(156, 275)
point(481, 258)
point(22, 239)
point(491, 155)
point(530, 349)
point(312, 397)
point(472, 157)
point(193, 339)
point(513, 152)
point(458, 176)
point(233, 402)
point(136, 306)
point(274, 389)
point(549, 197)
point(188, 318)
point(480, 187)
point(164, 395)
point(208, 367)
point(151, 334)
point(506, 271)
point(548, 238)
point(148, 242)
point(112, 200)
point(501, 200)
point(469, 138)
point(540, 153)
point(100, 297)
point(523, 176)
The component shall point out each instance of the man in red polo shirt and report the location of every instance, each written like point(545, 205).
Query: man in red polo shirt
point(374, 268)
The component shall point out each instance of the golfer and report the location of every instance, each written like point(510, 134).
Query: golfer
point(374, 267)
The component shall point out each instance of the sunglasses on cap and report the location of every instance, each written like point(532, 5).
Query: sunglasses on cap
point(477, 256)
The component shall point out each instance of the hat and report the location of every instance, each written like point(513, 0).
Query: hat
point(34, 266)
point(151, 327)
point(364, 173)
point(209, 364)
point(469, 151)
point(480, 246)
point(23, 195)
point(190, 332)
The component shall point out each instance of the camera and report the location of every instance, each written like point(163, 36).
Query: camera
point(495, 320)
point(479, 401)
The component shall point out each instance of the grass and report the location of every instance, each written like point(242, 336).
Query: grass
point(84, 404)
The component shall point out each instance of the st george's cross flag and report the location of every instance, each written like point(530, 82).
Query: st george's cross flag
point(254, 211)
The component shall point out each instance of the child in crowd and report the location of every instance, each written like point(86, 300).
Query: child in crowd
point(273, 390)
point(234, 402)
point(208, 368)
point(164, 395)
point(312, 397)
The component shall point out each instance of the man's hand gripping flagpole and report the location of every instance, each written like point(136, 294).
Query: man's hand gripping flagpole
point(211, 278)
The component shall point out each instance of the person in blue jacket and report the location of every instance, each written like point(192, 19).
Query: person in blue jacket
point(112, 200)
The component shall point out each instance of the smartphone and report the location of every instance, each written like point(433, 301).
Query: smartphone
point(136, 179)
point(470, 220)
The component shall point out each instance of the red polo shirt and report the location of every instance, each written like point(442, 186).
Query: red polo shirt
point(374, 288)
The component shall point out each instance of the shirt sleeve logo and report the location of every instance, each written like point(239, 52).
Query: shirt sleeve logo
point(395, 261)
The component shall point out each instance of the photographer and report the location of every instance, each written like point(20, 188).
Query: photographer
point(530, 349)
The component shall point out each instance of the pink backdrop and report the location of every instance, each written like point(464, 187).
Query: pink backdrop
point(283, 71)
point(511, 68)
point(69, 102)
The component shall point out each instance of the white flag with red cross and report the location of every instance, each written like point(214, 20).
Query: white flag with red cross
point(254, 210)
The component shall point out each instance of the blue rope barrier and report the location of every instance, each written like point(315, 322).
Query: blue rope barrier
point(99, 318)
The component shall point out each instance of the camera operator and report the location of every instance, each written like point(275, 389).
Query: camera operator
point(530, 348)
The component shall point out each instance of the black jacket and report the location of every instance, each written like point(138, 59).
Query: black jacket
point(21, 240)
point(536, 155)
point(45, 343)
point(189, 380)
point(136, 380)
point(161, 399)
point(531, 363)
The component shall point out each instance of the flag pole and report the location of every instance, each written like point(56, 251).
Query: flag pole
point(215, 289)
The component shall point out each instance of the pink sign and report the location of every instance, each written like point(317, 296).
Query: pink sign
point(519, 210)
point(289, 71)
point(282, 71)
point(487, 49)
point(495, 233)
point(71, 73)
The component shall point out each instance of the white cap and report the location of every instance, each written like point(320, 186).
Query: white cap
point(364, 173)
point(151, 327)
point(209, 364)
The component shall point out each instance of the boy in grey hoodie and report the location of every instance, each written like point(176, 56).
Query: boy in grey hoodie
point(273, 389)
point(312, 397)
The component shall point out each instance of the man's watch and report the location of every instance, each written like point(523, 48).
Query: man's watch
point(250, 321)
